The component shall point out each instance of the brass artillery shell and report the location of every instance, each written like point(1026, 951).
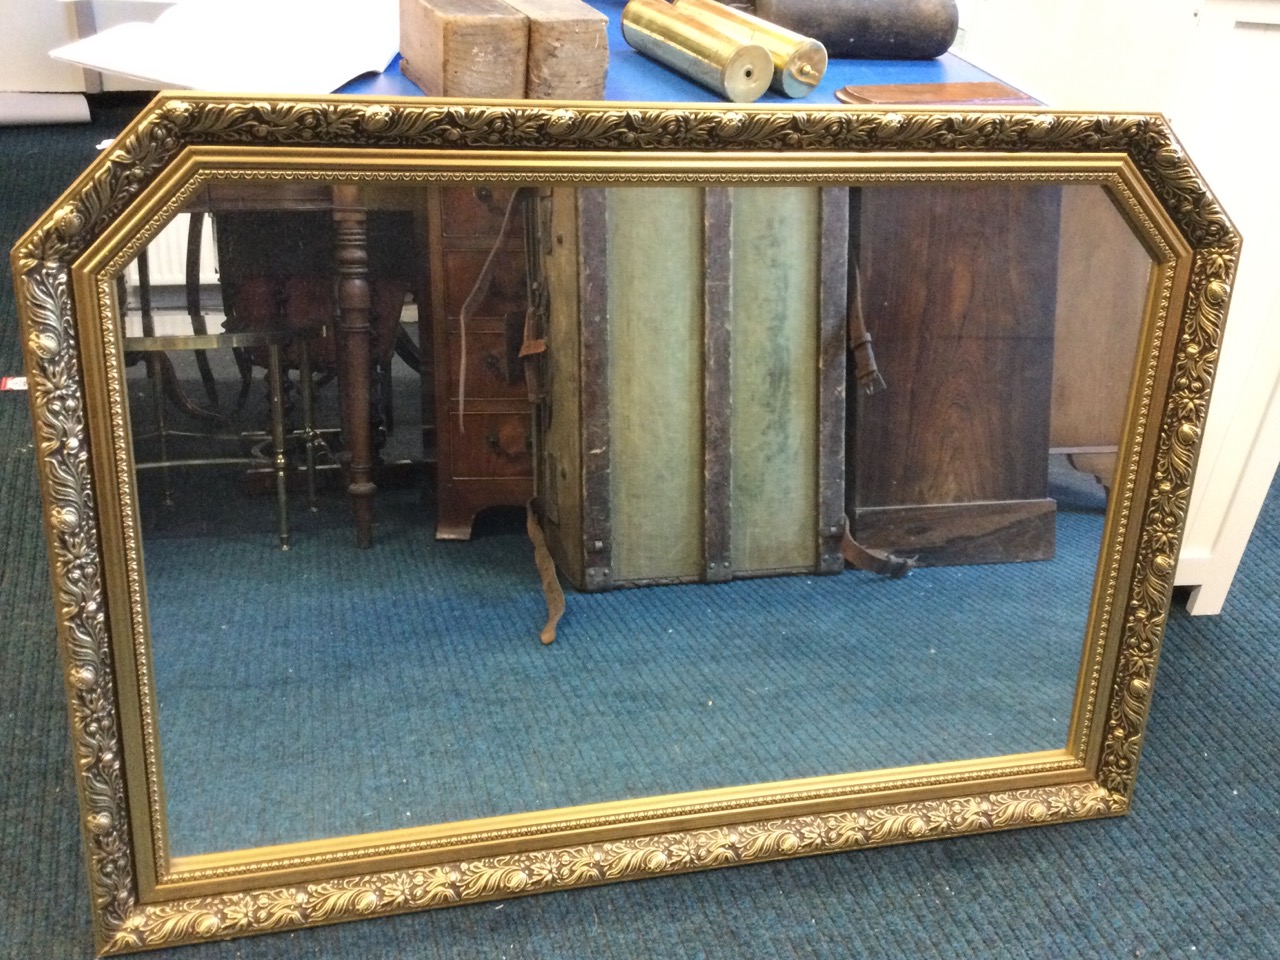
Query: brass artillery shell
point(798, 61)
point(737, 70)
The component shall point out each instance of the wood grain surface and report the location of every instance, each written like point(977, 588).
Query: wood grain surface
point(959, 289)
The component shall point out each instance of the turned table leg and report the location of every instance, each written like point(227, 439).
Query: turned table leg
point(354, 332)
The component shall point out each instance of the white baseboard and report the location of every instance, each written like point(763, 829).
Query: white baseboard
point(18, 109)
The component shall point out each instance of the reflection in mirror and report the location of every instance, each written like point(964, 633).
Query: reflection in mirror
point(688, 329)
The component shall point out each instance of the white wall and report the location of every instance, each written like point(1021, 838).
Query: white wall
point(1209, 66)
point(31, 29)
point(1083, 54)
point(34, 27)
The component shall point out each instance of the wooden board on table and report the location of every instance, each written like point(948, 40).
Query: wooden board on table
point(975, 91)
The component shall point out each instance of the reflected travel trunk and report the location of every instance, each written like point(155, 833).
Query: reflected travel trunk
point(694, 428)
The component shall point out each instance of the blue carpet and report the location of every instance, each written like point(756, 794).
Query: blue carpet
point(405, 685)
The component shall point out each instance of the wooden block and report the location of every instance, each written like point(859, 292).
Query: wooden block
point(464, 48)
point(568, 49)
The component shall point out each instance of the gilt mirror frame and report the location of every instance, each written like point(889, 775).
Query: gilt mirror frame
point(63, 269)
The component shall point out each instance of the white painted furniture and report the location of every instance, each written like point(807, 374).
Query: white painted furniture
point(1209, 66)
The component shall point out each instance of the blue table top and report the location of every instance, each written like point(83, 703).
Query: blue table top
point(634, 77)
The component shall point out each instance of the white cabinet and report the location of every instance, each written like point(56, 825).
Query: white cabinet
point(1209, 66)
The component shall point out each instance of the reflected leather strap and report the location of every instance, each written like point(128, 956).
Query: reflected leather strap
point(870, 382)
point(531, 348)
point(873, 561)
point(865, 370)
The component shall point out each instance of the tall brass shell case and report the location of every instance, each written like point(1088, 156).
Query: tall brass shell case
point(737, 70)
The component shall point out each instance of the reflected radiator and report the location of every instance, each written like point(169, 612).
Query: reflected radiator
point(167, 256)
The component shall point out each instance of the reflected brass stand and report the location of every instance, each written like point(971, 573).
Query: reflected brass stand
point(153, 346)
point(160, 373)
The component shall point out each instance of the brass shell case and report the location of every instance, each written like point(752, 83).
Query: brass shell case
point(798, 61)
point(737, 70)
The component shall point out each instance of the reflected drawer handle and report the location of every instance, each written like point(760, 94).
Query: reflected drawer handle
point(494, 443)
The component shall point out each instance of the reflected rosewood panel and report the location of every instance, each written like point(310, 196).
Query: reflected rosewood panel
point(949, 463)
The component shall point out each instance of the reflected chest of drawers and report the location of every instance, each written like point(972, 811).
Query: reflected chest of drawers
point(482, 411)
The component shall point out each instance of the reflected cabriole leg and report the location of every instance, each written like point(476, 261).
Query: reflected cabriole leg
point(195, 235)
point(155, 372)
point(310, 436)
point(275, 375)
point(352, 257)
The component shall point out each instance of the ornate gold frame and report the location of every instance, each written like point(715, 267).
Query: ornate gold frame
point(62, 268)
